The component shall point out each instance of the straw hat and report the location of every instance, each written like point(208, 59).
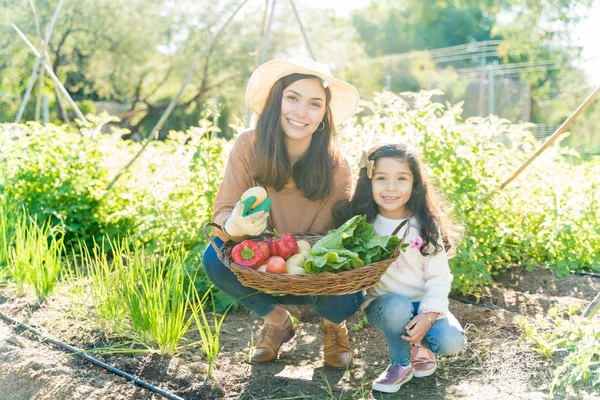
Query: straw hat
point(344, 97)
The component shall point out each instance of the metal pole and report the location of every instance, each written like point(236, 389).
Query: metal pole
point(51, 74)
point(491, 92)
point(561, 129)
point(481, 107)
point(265, 46)
point(312, 54)
point(163, 118)
point(39, 61)
point(41, 71)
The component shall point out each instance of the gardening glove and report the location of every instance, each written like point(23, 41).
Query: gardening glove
point(244, 221)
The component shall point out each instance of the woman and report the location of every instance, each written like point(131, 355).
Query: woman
point(291, 154)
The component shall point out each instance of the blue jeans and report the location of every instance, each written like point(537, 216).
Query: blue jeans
point(391, 312)
point(334, 308)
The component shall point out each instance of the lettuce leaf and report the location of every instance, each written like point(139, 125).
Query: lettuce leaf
point(348, 247)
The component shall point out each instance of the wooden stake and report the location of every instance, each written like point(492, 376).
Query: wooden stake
point(592, 308)
point(39, 61)
point(310, 51)
point(561, 129)
point(51, 74)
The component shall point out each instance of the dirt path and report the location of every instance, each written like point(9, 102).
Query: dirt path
point(496, 365)
point(32, 370)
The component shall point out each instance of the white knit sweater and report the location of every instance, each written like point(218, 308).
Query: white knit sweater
point(426, 279)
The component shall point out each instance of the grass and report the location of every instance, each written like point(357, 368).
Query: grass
point(36, 256)
point(570, 346)
point(208, 336)
point(9, 211)
point(142, 296)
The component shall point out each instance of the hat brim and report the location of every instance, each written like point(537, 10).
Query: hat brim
point(344, 97)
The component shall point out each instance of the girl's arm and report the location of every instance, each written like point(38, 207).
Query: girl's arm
point(235, 181)
point(438, 282)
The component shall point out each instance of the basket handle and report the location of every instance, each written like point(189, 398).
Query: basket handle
point(396, 252)
point(210, 238)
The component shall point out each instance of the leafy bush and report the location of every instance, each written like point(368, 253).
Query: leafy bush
point(58, 177)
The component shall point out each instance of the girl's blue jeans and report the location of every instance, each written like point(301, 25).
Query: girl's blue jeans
point(391, 312)
point(334, 308)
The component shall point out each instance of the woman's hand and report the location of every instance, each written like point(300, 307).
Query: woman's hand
point(242, 224)
point(418, 327)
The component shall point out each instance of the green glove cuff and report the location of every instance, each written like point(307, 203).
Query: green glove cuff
point(264, 206)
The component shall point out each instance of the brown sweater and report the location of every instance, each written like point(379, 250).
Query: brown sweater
point(290, 210)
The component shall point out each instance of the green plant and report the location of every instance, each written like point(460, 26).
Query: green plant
point(570, 346)
point(104, 287)
point(150, 290)
point(36, 256)
point(57, 174)
point(209, 336)
point(9, 217)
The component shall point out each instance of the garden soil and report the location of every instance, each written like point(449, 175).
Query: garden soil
point(496, 365)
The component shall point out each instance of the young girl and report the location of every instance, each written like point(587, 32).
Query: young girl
point(291, 154)
point(409, 305)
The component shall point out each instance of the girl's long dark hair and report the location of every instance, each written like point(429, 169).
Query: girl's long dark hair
point(313, 173)
point(424, 203)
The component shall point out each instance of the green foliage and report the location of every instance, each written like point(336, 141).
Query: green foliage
point(209, 335)
point(33, 254)
point(37, 255)
point(546, 216)
point(170, 192)
point(57, 175)
point(9, 216)
point(141, 295)
point(570, 346)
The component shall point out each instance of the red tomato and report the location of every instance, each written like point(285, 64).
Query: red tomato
point(276, 265)
point(264, 246)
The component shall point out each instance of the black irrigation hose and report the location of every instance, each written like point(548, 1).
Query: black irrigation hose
point(593, 275)
point(462, 300)
point(99, 363)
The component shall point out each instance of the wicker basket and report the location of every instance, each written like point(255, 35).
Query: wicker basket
point(316, 285)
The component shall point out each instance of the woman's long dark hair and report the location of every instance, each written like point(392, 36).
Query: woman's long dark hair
point(313, 173)
point(424, 203)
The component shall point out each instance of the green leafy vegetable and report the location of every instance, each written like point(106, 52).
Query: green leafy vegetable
point(348, 247)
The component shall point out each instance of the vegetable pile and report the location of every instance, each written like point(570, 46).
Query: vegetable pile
point(277, 255)
point(350, 246)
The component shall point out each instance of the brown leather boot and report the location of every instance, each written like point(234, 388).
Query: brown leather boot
point(270, 340)
point(336, 350)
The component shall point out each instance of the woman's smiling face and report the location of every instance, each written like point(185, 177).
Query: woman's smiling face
point(392, 184)
point(302, 109)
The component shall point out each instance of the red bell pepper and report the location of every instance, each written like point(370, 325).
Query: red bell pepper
point(282, 245)
point(248, 254)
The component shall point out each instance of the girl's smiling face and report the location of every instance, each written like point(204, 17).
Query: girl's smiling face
point(392, 184)
point(302, 109)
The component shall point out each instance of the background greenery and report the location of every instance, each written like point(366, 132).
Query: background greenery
point(545, 217)
point(130, 58)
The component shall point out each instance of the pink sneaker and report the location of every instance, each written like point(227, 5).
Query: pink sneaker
point(422, 361)
point(392, 378)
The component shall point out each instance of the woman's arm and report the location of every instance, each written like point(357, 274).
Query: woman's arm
point(235, 181)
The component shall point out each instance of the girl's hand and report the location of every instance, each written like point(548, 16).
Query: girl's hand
point(418, 327)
